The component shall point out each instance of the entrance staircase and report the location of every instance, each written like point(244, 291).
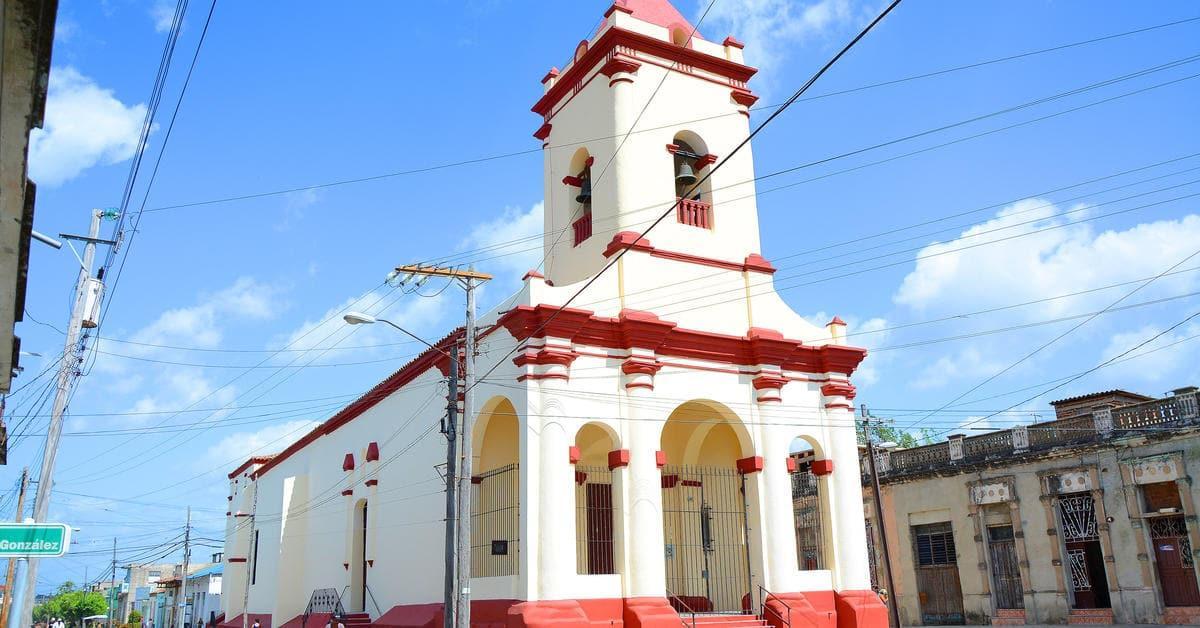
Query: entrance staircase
point(356, 620)
point(722, 621)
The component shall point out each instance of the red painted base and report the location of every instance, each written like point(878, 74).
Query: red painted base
point(1182, 615)
point(264, 621)
point(1009, 617)
point(811, 609)
point(1090, 616)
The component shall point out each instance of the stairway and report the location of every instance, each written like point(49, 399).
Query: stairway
point(724, 621)
point(352, 620)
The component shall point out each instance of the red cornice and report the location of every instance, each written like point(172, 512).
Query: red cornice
point(543, 131)
point(769, 382)
point(630, 240)
point(838, 389)
point(615, 37)
point(546, 355)
point(585, 328)
point(619, 64)
point(549, 75)
point(249, 463)
point(744, 97)
point(730, 41)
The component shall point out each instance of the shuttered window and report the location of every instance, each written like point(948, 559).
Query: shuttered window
point(934, 544)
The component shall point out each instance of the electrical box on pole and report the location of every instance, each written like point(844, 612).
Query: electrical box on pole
point(93, 290)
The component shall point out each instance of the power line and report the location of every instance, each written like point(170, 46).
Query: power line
point(519, 153)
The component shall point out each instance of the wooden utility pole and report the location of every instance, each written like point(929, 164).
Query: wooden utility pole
point(8, 581)
point(893, 609)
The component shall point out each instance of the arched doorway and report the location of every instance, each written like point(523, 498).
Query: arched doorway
point(595, 542)
point(808, 505)
point(495, 495)
point(706, 509)
point(358, 559)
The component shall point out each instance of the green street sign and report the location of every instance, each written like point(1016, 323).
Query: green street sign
point(34, 539)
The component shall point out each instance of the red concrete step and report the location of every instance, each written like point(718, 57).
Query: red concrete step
point(724, 621)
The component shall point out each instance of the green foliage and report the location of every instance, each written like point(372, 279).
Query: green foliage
point(71, 605)
point(905, 439)
point(135, 616)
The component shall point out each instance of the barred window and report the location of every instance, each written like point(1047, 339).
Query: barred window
point(934, 544)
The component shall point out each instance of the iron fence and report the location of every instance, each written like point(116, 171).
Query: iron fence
point(495, 521)
point(594, 521)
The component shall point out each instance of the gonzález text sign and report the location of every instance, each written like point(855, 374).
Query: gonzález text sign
point(34, 539)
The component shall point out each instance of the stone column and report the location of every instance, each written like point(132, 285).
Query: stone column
point(645, 569)
point(778, 538)
point(851, 571)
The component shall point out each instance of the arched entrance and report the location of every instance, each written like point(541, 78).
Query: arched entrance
point(706, 510)
point(358, 559)
point(495, 495)
point(595, 546)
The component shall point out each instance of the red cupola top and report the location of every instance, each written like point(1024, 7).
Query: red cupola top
point(658, 12)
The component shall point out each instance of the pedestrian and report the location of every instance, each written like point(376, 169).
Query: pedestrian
point(257, 624)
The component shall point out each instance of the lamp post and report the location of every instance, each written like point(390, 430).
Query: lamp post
point(450, 593)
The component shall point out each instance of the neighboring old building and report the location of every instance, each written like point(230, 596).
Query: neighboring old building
point(631, 452)
point(26, 38)
point(203, 596)
point(1089, 518)
point(139, 581)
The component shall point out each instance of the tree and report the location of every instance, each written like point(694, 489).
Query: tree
point(71, 605)
point(904, 439)
point(135, 617)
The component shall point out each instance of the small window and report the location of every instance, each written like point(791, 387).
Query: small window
point(934, 545)
point(680, 36)
point(1161, 497)
point(254, 558)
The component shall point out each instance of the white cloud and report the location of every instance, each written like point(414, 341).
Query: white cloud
point(515, 235)
point(769, 27)
point(163, 15)
point(1174, 355)
point(201, 325)
point(419, 315)
point(265, 441)
point(85, 125)
point(871, 332)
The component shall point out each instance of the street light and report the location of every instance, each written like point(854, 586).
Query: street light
point(360, 318)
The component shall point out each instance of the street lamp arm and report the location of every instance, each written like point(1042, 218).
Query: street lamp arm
point(413, 336)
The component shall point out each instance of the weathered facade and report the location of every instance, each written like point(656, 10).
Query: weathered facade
point(1089, 518)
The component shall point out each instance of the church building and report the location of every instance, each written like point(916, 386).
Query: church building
point(640, 431)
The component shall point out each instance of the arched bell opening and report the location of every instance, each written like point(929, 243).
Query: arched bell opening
point(595, 500)
point(579, 195)
point(693, 190)
point(707, 509)
point(495, 491)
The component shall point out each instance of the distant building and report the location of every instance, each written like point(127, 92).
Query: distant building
point(1089, 518)
point(139, 580)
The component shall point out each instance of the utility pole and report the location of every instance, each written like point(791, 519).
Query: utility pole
point(113, 598)
point(893, 610)
point(469, 280)
point(87, 299)
point(249, 556)
point(187, 555)
point(12, 565)
point(450, 595)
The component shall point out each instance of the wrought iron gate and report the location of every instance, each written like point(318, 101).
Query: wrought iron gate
point(707, 539)
point(1173, 556)
point(594, 520)
point(495, 515)
point(1006, 573)
point(1085, 560)
point(806, 512)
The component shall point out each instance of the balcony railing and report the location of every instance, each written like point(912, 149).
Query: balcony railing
point(1178, 409)
point(695, 213)
point(582, 227)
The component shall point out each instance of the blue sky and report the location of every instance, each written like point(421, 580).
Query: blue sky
point(289, 98)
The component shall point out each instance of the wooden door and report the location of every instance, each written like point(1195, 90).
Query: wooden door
point(1006, 572)
point(938, 586)
point(1173, 557)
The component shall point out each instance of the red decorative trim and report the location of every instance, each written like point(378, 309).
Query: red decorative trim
point(543, 131)
point(348, 492)
point(553, 73)
point(372, 482)
point(691, 483)
point(743, 97)
point(476, 479)
point(532, 274)
point(660, 459)
point(839, 389)
point(838, 406)
point(580, 477)
point(618, 458)
point(730, 41)
point(641, 366)
point(572, 181)
point(229, 497)
point(792, 465)
point(627, 240)
point(348, 462)
point(346, 566)
point(837, 320)
point(630, 240)
point(706, 160)
point(614, 37)
point(632, 385)
point(253, 460)
point(619, 64)
point(619, 5)
point(769, 382)
point(757, 263)
point(822, 467)
point(669, 481)
point(546, 355)
point(753, 464)
point(573, 454)
point(582, 327)
point(227, 513)
point(622, 79)
point(769, 346)
point(644, 331)
point(540, 376)
point(370, 562)
point(587, 163)
point(236, 559)
point(372, 452)
point(428, 359)
point(672, 148)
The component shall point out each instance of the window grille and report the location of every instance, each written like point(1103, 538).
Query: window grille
point(495, 514)
point(594, 520)
point(934, 545)
point(1078, 516)
point(806, 510)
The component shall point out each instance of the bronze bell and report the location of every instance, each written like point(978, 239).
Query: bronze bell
point(685, 175)
point(585, 192)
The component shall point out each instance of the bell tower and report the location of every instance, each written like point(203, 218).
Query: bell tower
point(644, 109)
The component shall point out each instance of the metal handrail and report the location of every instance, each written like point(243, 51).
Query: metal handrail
point(765, 595)
point(336, 609)
point(672, 599)
point(371, 595)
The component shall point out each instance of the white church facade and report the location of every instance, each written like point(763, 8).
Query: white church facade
point(632, 450)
